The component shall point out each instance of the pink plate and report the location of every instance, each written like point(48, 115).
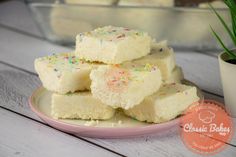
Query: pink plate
point(40, 104)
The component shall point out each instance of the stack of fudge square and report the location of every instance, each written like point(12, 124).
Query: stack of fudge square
point(116, 68)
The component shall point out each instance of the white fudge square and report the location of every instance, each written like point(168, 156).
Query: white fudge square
point(112, 45)
point(79, 105)
point(176, 76)
point(64, 72)
point(166, 104)
point(162, 56)
point(124, 86)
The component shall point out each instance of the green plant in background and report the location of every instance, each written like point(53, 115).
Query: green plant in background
point(232, 32)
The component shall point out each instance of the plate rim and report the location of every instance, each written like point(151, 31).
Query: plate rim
point(151, 126)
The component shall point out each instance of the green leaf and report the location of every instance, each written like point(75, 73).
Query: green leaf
point(224, 24)
point(233, 24)
point(231, 54)
point(232, 6)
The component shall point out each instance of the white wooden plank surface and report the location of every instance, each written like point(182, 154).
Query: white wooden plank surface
point(25, 138)
point(15, 14)
point(16, 86)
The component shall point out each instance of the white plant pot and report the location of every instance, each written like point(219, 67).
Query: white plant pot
point(228, 79)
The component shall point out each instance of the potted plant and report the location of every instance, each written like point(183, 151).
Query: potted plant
point(227, 59)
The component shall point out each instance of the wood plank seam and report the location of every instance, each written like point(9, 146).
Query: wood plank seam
point(62, 131)
point(18, 68)
point(207, 53)
point(21, 32)
point(212, 93)
point(215, 139)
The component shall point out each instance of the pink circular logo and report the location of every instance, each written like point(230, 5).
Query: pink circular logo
point(206, 128)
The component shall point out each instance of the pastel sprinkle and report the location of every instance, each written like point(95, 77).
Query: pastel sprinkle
point(110, 33)
point(65, 61)
point(147, 67)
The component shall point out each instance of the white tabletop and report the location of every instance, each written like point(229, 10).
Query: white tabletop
point(24, 134)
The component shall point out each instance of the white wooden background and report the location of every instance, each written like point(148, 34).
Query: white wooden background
point(23, 134)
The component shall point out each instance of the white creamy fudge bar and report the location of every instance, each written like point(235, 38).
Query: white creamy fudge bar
point(162, 56)
point(79, 105)
point(176, 76)
point(64, 72)
point(112, 45)
point(166, 104)
point(159, 3)
point(124, 86)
